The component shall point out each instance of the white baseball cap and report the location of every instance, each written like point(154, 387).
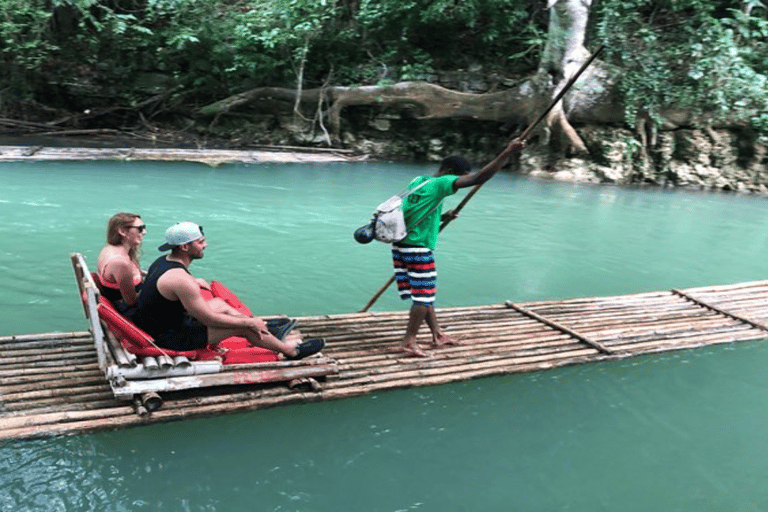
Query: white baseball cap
point(181, 233)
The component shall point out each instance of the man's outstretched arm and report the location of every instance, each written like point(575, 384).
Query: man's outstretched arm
point(487, 172)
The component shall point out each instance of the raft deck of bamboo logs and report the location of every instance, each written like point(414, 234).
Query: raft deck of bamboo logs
point(51, 384)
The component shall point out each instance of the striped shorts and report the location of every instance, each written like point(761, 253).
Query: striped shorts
point(415, 273)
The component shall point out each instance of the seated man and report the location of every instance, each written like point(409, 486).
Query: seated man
point(174, 312)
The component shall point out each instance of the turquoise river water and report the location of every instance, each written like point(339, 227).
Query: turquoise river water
point(683, 431)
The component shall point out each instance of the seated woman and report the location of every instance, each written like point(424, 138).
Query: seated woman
point(118, 262)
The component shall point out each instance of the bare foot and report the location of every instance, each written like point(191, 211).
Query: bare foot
point(414, 350)
point(442, 340)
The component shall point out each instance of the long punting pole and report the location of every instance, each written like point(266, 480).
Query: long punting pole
point(522, 137)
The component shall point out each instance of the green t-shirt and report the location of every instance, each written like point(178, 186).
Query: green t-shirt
point(416, 205)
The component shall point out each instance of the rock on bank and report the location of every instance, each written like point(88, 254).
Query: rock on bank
point(723, 159)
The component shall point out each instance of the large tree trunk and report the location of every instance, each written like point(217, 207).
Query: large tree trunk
point(563, 55)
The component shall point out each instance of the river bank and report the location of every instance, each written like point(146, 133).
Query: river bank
point(727, 159)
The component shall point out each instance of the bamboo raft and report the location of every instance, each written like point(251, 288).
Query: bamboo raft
point(52, 384)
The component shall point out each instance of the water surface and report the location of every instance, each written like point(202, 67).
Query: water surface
point(684, 431)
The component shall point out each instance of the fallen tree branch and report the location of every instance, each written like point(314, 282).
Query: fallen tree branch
point(95, 131)
point(421, 100)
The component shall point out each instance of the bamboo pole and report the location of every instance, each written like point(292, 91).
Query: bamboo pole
point(721, 311)
point(70, 382)
point(559, 327)
point(18, 338)
point(555, 342)
point(480, 340)
point(216, 405)
point(53, 418)
point(640, 322)
point(54, 392)
point(208, 156)
point(454, 364)
point(38, 369)
point(122, 357)
point(92, 405)
point(59, 402)
point(47, 377)
point(55, 353)
point(21, 363)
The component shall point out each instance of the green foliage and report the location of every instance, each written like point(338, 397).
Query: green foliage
point(705, 55)
point(22, 34)
point(24, 45)
point(218, 47)
point(760, 123)
point(632, 147)
point(273, 36)
point(689, 54)
point(447, 33)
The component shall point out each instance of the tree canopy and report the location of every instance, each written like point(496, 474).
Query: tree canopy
point(710, 56)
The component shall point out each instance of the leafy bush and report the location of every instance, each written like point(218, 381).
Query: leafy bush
point(24, 43)
point(688, 54)
point(223, 46)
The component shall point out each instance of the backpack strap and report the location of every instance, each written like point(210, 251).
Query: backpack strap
point(406, 193)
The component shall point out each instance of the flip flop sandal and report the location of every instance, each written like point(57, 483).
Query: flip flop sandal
point(280, 327)
point(308, 348)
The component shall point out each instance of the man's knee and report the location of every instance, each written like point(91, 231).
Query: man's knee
point(420, 306)
point(220, 305)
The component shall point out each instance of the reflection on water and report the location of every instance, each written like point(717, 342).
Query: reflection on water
point(683, 431)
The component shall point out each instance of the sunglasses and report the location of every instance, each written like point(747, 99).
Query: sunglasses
point(141, 228)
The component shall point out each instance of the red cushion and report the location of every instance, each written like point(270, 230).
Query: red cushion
point(97, 281)
point(206, 293)
point(235, 342)
point(240, 350)
point(121, 326)
point(222, 292)
point(249, 355)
